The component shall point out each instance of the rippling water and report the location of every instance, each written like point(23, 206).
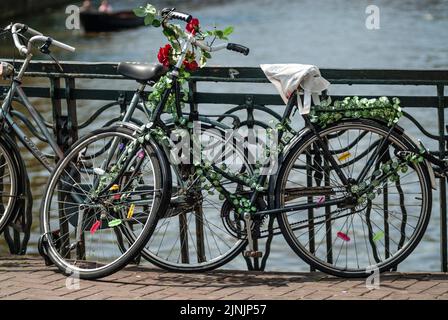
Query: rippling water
point(328, 33)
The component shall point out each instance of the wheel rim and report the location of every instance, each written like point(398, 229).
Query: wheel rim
point(164, 248)
point(102, 247)
point(8, 186)
point(366, 238)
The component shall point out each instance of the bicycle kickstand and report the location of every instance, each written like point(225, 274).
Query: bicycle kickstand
point(252, 252)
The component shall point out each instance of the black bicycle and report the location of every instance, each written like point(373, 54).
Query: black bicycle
point(328, 184)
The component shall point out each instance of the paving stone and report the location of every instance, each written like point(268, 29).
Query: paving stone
point(27, 277)
point(438, 289)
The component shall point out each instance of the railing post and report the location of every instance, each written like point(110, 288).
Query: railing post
point(71, 131)
point(72, 119)
point(55, 84)
point(443, 208)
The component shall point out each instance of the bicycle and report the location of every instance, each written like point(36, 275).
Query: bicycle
point(333, 179)
point(12, 163)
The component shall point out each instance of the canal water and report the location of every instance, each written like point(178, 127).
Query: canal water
point(332, 34)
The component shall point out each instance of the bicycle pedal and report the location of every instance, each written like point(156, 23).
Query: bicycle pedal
point(253, 254)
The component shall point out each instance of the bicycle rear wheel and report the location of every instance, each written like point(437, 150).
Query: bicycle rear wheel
point(91, 229)
point(200, 231)
point(378, 231)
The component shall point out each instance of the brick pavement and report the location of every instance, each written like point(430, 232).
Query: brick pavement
point(28, 278)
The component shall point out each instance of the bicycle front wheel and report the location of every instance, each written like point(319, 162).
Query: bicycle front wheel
point(94, 222)
point(381, 228)
point(9, 175)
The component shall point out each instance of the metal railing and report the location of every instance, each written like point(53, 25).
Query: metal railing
point(66, 126)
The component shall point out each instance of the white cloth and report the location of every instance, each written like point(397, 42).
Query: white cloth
point(290, 77)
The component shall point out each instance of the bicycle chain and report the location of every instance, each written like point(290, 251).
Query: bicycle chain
point(307, 220)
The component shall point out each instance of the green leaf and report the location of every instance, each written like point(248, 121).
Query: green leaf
point(202, 61)
point(378, 236)
point(168, 32)
point(206, 54)
point(114, 223)
point(140, 12)
point(156, 23)
point(219, 34)
point(228, 31)
point(149, 19)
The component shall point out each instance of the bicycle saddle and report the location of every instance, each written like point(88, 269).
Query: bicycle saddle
point(142, 72)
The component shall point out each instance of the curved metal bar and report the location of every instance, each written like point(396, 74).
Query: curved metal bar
point(423, 130)
point(97, 113)
point(404, 215)
point(255, 122)
point(255, 107)
point(220, 117)
point(47, 124)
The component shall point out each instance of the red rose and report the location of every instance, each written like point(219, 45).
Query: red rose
point(193, 26)
point(194, 65)
point(164, 55)
point(191, 66)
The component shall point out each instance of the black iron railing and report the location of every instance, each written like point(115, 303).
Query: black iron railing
point(65, 123)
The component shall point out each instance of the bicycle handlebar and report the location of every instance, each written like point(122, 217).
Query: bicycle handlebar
point(172, 14)
point(181, 16)
point(238, 48)
point(37, 36)
point(229, 46)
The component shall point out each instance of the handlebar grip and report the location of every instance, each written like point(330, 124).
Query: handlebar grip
point(181, 16)
point(62, 45)
point(238, 48)
point(176, 14)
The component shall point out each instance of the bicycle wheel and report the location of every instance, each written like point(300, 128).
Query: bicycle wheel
point(9, 175)
point(376, 231)
point(85, 221)
point(200, 231)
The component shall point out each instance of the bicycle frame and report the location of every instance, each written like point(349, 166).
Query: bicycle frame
point(5, 115)
point(156, 121)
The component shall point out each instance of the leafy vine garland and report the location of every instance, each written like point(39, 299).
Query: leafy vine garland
point(354, 107)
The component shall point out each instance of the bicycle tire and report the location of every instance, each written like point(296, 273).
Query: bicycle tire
point(401, 140)
point(135, 245)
